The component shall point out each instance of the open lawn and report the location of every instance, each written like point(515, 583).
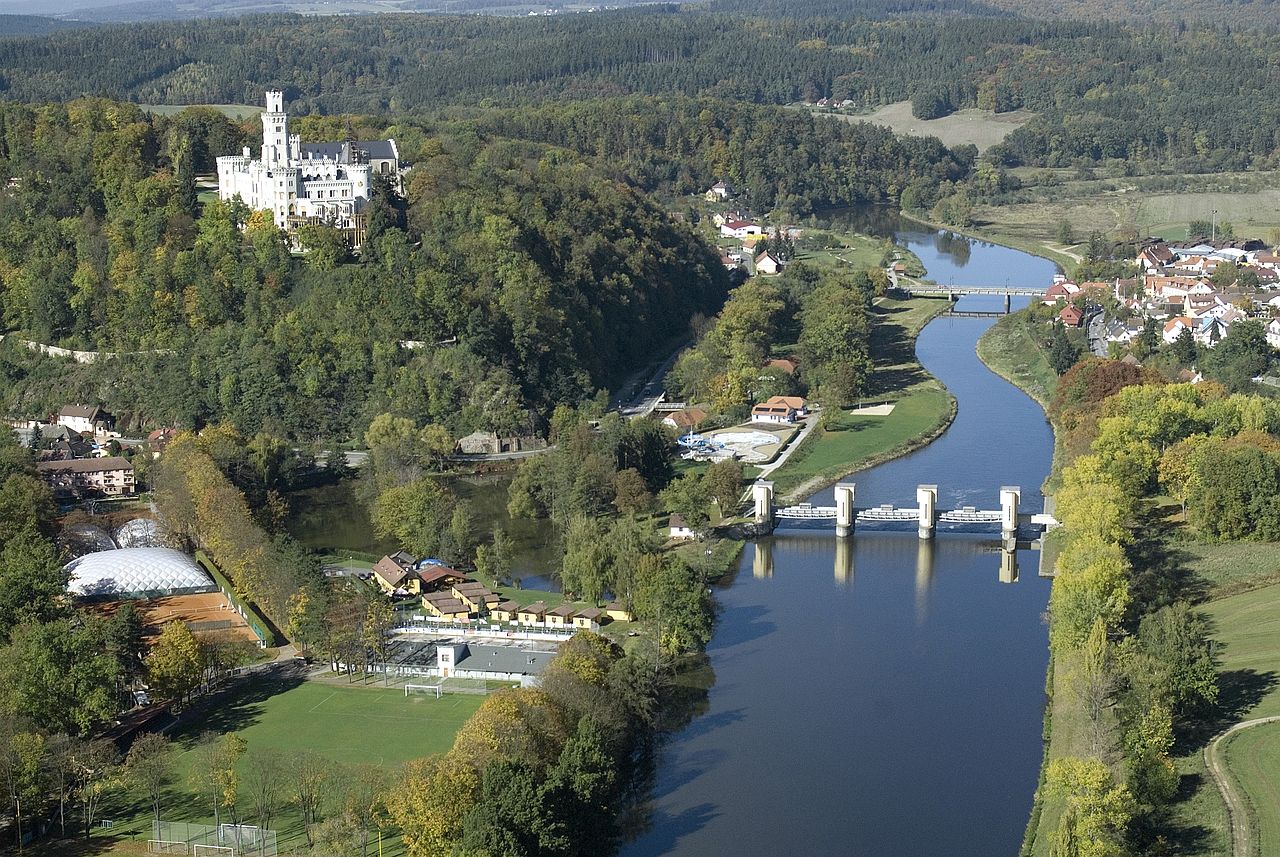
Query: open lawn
point(1254, 758)
point(350, 725)
point(982, 128)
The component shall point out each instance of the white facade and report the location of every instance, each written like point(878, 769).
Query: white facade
point(324, 183)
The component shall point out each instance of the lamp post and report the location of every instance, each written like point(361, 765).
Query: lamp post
point(1213, 229)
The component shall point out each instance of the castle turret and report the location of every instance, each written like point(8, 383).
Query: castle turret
point(275, 131)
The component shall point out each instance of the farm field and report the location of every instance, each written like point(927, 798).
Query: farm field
point(1148, 206)
point(235, 111)
point(982, 128)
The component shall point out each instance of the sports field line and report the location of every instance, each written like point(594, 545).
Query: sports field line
point(322, 702)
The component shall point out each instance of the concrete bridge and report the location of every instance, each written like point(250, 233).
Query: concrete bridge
point(845, 516)
point(954, 293)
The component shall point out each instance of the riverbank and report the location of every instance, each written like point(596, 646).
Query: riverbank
point(923, 408)
point(1059, 255)
point(1226, 805)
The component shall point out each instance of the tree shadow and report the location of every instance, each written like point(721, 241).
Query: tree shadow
point(662, 831)
point(1162, 571)
point(1239, 692)
point(235, 707)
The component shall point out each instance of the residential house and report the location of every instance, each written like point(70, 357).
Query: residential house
point(88, 477)
point(506, 611)
point(1273, 333)
point(1070, 316)
point(780, 410)
point(561, 617)
point(768, 264)
point(394, 579)
point(1155, 258)
point(159, 439)
point(618, 612)
point(678, 528)
point(435, 577)
point(478, 597)
point(442, 605)
point(532, 614)
point(1173, 328)
point(1060, 290)
point(685, 420)
point(1200, 304)
point(741, 229)
point(86, 418)
point(589, 618)
point(718, 192)
point(1210, 331)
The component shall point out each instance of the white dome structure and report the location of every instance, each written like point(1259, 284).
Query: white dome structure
point(136, 573)
point(139, 533)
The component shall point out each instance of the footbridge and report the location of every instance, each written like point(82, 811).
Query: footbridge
point(844, 517)
point(954, 293)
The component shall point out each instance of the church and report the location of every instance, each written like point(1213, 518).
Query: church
point(308, 183)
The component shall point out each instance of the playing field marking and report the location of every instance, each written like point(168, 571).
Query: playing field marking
point(323, 701)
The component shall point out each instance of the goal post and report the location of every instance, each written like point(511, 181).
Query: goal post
point(431, 689)
point(212, 851)
point(165, 846)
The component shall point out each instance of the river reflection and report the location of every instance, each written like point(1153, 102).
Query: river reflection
point(1004, 563)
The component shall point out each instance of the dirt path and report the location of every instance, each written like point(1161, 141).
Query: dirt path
point(1237, 809)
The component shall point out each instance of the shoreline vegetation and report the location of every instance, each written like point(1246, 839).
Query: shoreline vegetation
point(1232, 583)
point(1061, 257)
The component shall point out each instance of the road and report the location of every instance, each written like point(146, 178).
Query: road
point(1237, 808)
point(634, 403)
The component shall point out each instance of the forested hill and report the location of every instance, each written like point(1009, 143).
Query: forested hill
point(1162, 94)
point(523, 276)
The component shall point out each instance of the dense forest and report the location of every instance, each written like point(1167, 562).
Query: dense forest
point(541, 280)
point(1102, 90)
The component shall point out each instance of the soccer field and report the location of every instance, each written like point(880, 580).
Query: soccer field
point(356, 724)
point(349, 724)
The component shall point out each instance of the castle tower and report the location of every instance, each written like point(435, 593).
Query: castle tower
point(275, 131)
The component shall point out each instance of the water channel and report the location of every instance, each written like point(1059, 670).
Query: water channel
point(885, 700)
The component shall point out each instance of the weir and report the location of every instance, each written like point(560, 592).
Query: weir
point(844, 517)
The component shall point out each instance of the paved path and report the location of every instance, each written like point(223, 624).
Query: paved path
point(810, 424)
point(1237, 809)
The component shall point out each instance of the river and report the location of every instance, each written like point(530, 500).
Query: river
point(885, 700)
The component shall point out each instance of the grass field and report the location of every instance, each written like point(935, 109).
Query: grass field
point(982, 128)
point(235, 111)
point(1144, 205)
point(1010, 349)
point(1254, 758)
point(922, 404)
point(349, 725)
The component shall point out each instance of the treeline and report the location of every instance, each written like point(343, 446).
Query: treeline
point(525, 277)
point(1126, 643)
point(773, 158)
point(543, 772)
point(820, 320)
point(1103, 91)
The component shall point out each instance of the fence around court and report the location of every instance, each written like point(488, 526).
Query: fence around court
point(255, 621)
point(236, 840)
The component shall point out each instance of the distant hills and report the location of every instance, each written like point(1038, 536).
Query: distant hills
point(33, 25)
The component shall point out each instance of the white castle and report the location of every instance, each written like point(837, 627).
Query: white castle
point(301, 183)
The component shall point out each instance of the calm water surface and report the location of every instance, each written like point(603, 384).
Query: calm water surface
point(885, 697)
